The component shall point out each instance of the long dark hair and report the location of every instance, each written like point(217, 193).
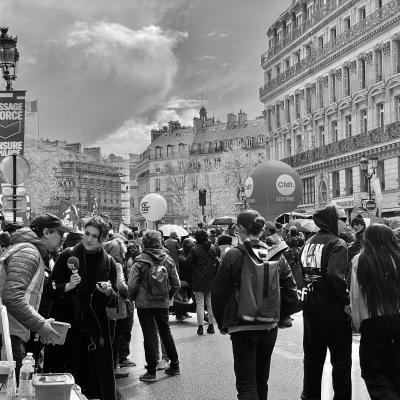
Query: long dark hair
point(379, 271)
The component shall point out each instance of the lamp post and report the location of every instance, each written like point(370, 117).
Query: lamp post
point(366, 164)
point(9, 57)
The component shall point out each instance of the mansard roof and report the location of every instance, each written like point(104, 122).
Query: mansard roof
point(221, 131)
point(177, 136)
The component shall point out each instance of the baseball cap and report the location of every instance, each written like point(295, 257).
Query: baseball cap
point(48, 220)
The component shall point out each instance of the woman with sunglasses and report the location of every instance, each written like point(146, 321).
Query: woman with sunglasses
point(375, 302)
point(82, 285)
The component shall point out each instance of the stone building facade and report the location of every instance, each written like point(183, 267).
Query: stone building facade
point(331, 95)
point(212, 155)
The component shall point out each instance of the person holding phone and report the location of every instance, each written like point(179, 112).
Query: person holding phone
point(82, 285)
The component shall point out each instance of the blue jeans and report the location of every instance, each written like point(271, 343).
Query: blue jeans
point(201, 298)
point(252, 351)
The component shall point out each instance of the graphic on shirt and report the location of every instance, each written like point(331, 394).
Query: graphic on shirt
point(311, 261)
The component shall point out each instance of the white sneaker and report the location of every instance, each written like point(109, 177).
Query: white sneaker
point(162, 364)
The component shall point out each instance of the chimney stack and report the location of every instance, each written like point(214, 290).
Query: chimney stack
point(242, 117)
point(231, 120)
point(197, 125)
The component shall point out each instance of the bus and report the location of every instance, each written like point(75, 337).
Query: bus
point(286, 217)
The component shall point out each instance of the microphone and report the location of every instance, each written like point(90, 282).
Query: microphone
point(73, 264)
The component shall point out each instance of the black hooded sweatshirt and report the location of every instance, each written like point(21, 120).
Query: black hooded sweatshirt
point(324, 258)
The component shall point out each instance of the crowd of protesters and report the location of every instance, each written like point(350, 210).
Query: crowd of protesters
point(345, 278)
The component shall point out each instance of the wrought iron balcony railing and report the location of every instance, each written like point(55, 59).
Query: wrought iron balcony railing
point(318, 15)
point(374, 136)
point(317, 54)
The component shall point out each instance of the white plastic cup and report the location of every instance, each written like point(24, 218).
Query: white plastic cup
point(62, 329)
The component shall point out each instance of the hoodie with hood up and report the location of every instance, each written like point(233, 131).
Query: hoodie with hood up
point(324, 262)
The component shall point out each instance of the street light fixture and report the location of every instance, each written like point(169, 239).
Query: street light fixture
point(366, 164)
point(9, 57)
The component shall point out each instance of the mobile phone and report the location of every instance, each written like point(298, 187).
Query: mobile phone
point(102, 284)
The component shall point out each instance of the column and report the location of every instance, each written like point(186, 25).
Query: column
point(325, 90)
point(386, 60)
point(353, 77)
point(369, 70)
point(361, 72)
point(395, 62)
point(339, 91)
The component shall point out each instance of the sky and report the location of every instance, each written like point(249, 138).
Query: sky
point(106, 72)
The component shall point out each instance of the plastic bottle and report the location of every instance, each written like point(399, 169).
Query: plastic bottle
point(25, 389)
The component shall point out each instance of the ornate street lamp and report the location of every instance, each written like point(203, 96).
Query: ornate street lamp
point(9, 57)
point(366, 164)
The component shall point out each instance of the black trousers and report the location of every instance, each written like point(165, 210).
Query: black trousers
point(380, 357)
point(150, 319)
point(122, 335)
point(252, 352)
point(322, 331)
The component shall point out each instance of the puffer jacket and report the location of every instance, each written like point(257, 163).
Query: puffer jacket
point(138, 278)
point(23, 282)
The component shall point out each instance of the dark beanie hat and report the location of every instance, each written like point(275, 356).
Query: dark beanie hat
point(4, 239)
point(358, 219)
point(201, 236)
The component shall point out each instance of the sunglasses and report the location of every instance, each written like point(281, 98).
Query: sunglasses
point(344, 219)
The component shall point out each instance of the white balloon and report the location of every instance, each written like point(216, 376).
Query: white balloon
point(153, 207)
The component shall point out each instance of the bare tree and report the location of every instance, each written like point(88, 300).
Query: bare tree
point(178, 185)
point(223, 175)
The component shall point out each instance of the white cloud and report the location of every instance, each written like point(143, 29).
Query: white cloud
point(177, 103)
point(141, 57)
point(205, 58)
point(132, 137)
point(217, 34)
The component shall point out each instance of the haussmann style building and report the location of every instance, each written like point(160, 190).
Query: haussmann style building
point(332, 98)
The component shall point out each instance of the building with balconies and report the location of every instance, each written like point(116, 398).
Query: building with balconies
point(332, 94)
point(181, 160)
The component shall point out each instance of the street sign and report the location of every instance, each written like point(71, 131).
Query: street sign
point(21, 165)
point(369, 205)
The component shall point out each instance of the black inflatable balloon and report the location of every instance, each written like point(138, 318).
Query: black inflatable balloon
point(273, 188)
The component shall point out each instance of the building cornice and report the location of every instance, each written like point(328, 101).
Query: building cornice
point(319, 60)
point(267, 62)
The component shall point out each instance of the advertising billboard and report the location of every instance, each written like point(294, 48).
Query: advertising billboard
point(12, 123)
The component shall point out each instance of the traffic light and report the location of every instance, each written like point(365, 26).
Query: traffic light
point(202, 197)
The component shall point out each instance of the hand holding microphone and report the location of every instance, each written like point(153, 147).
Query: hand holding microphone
point(73, 265)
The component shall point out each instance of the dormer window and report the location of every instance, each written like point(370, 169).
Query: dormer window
point(158, 152)
point(170, 151)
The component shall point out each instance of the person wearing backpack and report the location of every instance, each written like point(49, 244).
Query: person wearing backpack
point(326, 313)
point(247, 296)
point(152, 283)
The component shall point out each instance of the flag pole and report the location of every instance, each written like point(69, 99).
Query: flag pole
point(38, 119)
